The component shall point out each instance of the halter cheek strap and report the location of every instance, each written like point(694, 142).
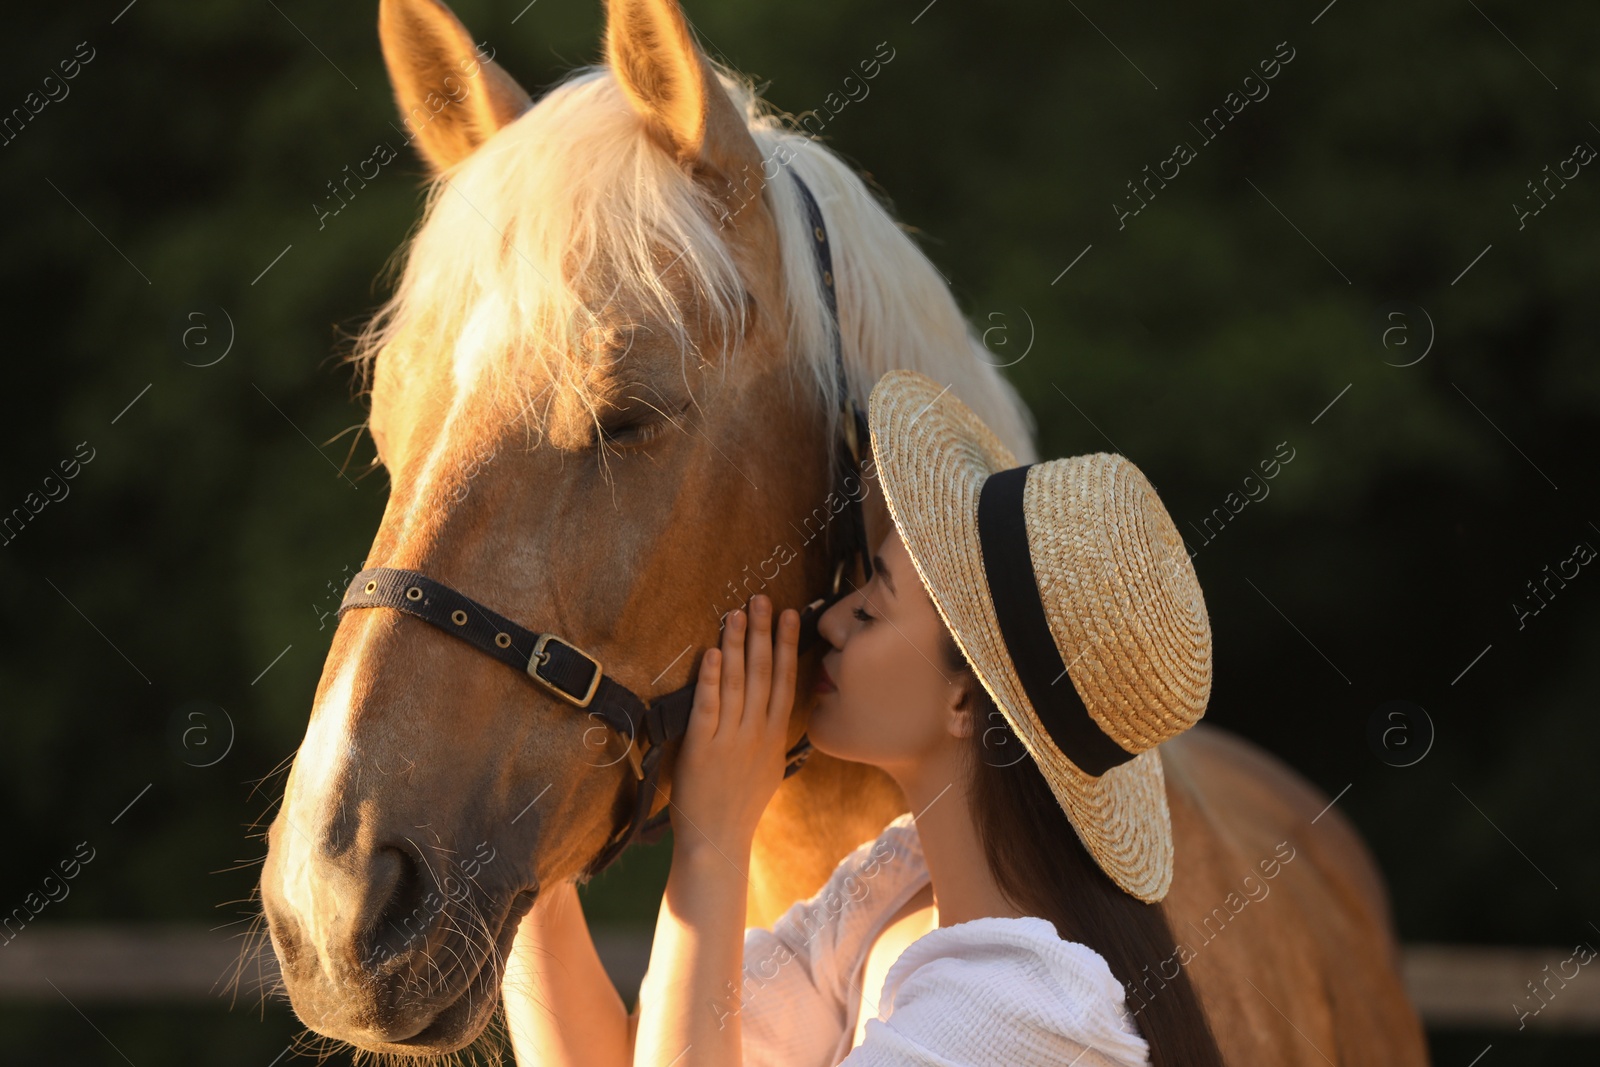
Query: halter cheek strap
point(562, 669)
point(566, 671)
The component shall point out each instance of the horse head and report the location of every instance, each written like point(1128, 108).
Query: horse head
point(603, 391)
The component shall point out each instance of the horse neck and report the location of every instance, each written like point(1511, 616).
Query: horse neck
point(896, 310)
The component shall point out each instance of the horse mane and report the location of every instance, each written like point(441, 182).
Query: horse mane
point(574, 190)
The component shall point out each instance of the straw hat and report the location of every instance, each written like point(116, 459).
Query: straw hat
point(1070, 567)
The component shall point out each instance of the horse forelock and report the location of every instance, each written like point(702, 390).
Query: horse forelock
point(563, 224)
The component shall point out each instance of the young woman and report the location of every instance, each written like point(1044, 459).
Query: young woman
point(1029, 637)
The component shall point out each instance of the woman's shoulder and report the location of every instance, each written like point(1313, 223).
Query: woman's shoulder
point(874, 876)
point(898, 842)
point(1005, 945)
point(994, 981)
point(895, 852)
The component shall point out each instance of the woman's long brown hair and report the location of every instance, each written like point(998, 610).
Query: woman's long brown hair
point(1016, 813)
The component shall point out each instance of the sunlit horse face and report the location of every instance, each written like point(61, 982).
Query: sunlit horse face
point(588, 358)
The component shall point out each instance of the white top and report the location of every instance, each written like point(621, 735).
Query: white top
point(995, 990)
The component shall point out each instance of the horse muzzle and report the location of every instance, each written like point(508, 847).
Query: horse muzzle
point(381, 953)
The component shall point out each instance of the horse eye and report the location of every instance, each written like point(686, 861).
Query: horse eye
point(639, 423)
point(631, 434)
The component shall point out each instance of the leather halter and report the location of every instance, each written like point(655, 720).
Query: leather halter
point(560, 667)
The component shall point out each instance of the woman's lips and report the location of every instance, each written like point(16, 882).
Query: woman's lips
point(825, 681)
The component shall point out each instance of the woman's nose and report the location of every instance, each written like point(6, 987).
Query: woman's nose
point(834, 624)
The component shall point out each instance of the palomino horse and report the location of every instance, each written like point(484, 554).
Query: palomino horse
point(601, 391)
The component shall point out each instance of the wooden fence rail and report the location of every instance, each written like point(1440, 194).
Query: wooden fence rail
point(1482, 987)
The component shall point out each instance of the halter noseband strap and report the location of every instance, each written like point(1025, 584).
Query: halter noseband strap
point(570, 673)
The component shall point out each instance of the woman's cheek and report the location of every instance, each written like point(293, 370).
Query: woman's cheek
point(829, 728)
point(841, 723)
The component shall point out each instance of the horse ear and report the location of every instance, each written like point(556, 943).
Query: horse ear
point(452, 98)
point(674, 88)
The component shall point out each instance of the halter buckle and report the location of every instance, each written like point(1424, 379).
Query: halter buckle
point(541, 656)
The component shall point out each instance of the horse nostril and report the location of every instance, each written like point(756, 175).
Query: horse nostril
point(408, 910)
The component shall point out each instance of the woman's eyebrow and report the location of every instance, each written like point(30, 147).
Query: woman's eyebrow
point(888, 580)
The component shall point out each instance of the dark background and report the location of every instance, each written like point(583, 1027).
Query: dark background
point(207, 535)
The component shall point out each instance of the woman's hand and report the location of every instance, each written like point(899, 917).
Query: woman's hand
point(729, 766)
point(732, 759)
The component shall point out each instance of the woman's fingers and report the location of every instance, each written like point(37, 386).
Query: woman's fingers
point(705, 711)
point(733, 636)
point(754, 675)
point(758, 660)
point(784, 669)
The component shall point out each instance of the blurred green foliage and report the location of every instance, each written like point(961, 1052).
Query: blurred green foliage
point(208, 538)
